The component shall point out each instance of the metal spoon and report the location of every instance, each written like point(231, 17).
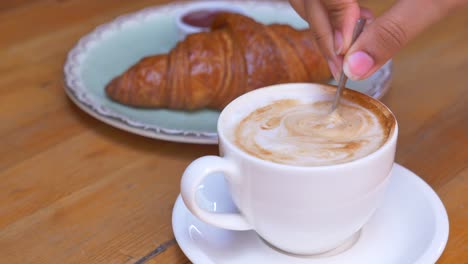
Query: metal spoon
point(343, 78)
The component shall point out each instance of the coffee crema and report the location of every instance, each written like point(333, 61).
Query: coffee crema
point(290, 131)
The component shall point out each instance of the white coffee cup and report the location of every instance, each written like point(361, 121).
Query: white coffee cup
point(298, 209)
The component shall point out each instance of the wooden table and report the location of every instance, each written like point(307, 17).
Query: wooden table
point(74, 190)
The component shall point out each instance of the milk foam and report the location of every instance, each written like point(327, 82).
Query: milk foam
point(304, 133)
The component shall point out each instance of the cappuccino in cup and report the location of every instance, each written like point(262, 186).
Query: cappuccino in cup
point(306, 180)
point(304, 132)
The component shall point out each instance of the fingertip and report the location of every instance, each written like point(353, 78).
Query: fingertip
point(358, 65)
point(333, 69)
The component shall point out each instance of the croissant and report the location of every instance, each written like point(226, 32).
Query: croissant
point(210, 69)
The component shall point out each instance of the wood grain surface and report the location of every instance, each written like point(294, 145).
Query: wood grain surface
point(74, 190)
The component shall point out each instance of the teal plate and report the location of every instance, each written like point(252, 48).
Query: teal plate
point(111, 48)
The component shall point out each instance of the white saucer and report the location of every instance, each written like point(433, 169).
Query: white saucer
point(410, 227)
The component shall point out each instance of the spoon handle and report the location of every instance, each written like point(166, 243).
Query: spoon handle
point(343, 78)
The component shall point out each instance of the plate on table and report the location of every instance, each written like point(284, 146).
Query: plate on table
point(113, 47)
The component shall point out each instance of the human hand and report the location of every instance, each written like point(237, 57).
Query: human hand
point(332, 23)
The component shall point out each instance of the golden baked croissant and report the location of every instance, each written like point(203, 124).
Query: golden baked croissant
point(209, 69)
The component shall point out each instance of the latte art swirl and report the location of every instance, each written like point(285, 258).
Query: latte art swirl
point(306, 134)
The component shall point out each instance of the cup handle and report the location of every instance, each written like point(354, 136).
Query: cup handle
point(192, 178)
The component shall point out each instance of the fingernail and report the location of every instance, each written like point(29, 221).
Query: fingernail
point(357, 65)
point(333, 69)
point(338, 42)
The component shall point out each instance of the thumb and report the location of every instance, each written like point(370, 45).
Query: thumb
point(387, 34)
